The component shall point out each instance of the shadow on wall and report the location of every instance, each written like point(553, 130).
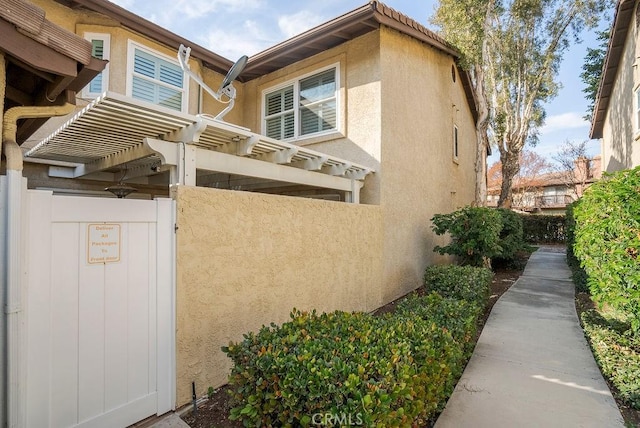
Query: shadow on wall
point(622, 123)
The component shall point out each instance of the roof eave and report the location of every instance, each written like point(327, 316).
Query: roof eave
point(617, 39)
point(153, 31)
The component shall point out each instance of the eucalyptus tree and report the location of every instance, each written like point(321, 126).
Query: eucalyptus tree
point(513, 50)
point(592, 70)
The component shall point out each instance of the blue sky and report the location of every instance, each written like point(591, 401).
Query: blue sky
point(232, 28)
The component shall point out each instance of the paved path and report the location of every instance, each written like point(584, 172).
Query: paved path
point(532, 366)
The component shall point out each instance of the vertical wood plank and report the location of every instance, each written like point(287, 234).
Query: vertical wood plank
point(64, 324)
point(91, 319)
point(38, 308)
point(116, 342)
point(137, 240)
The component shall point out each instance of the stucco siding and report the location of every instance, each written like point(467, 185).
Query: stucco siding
point(246, 259)
point(421, 104)
point(620, 134)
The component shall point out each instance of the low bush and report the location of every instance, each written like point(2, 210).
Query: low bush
point(617, 354)
point(578, 273)
point(468, 283)
point(607, 241)
point(459, 317)
point(543, 229)
point(386, 371)
point(511, 235)
point(475, 234)
point(382, 371)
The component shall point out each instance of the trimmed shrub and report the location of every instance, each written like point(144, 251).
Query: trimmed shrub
point(607, 241)
point(475, 234)
point(458, 317)
point(543, 229)
point(578, 273)
point(511, 234)
point(468, 283)
point(384, 371)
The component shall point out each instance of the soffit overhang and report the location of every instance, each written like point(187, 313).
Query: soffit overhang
point(615, 51)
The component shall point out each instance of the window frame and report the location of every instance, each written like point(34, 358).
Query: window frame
point(106, 55)
point(636, 108)
point(131, 49)
point(455, 143)
point(295, 82)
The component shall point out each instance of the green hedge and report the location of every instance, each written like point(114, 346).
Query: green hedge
point(511, 234)
point(543, 229)
point(393, 370)
point(479, 234)
point(467, 283)
point(607, 241)
point(578, 273)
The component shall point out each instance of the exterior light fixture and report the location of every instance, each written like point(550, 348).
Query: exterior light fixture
point(121, 190)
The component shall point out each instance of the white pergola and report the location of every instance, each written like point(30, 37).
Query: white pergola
point(115, 130)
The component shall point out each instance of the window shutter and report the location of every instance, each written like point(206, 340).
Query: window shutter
point(152, 70)
point(97, 51)
point(316, 104)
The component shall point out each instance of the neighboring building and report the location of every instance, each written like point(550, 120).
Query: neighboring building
point(616, 116)
point(337, 114)
point(549, 193)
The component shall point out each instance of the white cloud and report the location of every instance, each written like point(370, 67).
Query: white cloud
point(247, 40)
point(292, 25)
point(563, 122)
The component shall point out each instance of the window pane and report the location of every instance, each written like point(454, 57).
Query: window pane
point(318, 87)
point(95, 86)
point(319, 117)
point(279, 101)
point(143, 90)
point(144, 64)
point(97, 49)
point(274, 130)
point(169, 98)
point(171, 74)
point(289, 125)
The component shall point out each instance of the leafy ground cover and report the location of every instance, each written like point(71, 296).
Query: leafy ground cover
point(616, 352)
point(215, 411)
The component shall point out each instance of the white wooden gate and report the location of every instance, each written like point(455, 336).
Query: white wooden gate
point(99, 310)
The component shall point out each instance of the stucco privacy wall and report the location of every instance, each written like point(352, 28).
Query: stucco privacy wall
point(246, 259)
point(620, 148)
point(421, 103)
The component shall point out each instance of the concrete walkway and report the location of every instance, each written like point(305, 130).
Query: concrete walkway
point(532, 366)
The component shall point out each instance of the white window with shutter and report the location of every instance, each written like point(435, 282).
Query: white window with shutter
point(155, 78)
point(100, 48)
point(307, 106)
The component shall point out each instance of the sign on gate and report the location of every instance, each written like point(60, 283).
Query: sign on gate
point(103, 243)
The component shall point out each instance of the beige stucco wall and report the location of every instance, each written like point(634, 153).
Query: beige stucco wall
point(420, 178)
point(620, 143)
point(246, 259)
point(399, 106)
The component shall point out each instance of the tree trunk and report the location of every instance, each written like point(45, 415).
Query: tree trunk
point(482, 123)
point(510, 168)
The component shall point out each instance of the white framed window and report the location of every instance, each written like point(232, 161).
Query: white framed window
point(455, 143)
point(100, 48)
point(155, 78)
point(304, 107)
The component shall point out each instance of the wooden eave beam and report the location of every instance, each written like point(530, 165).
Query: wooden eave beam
point(35, 53)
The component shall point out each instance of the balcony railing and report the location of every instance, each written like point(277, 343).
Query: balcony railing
point(553, 201)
